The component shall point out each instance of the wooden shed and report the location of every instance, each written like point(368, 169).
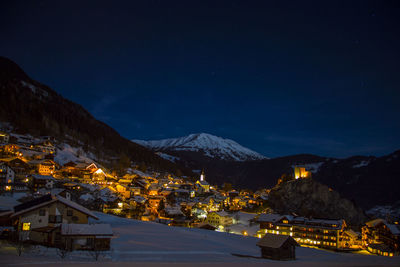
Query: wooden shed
point(278, 247)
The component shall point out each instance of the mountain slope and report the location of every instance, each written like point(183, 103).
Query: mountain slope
point(312, 199)
point(207, 144)
point(367, 180)
point(34, 108)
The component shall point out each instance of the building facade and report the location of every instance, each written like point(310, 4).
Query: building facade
point(322, 233)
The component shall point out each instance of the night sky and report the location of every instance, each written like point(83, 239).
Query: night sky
point(278, 77)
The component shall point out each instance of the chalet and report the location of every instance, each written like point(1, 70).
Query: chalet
point(173, 212)
point(278, 247)
point(206, 226)
point(219, 219)
point(4, 137)
point(11, 149)
point(86, 236)
point(7, 174)
point(20, 167)
point(92, 167)
point(155, 201)
point(382, 238)
point(350, 240)
point(153, 189)
point(181, 221)
point(42, 181)
point(55, 191)
point(45, 147)
point(99, 176)
point(44, 166)
point(123, 190)
point(39, 220)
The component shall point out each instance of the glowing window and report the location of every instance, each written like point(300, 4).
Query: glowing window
point(26, 226)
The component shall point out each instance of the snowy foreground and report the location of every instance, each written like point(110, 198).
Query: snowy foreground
point(150, 244)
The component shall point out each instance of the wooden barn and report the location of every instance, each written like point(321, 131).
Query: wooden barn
point(278, 247)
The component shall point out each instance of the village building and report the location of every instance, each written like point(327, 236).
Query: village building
point(20, 167)
point(381, 238)
point(45, 147)
point(278, 247)
point(7, 176)
point(123, 190)
point(42, 181)
point(86, 236)
point(153, 189)
point(202, 184)
point(44, 166)
point(154, 202)
point(220, 219)
point(4, 137)
point(11, 149)
point(350, 240)
point(323, 233)
point(40, 220)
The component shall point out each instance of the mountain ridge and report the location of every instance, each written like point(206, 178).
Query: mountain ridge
point(34, 108)
point(210, 145)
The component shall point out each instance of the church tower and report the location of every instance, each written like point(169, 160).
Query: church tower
point(202, 176)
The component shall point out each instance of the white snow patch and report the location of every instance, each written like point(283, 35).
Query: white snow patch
point(167, 157)
point(86, 197)
point(68, 153)
point(35, 89)
point(361, 164)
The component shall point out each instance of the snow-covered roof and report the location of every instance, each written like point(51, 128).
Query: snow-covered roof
point(245, 217)
point(52, 199)
point(75, 206)
point(173, 211)
point(43, 177)
point(375, 222)
point(53, 191)
point(203, 182)
point(275, 241)
point(86, 197)
point(393, 228)
point(270, 217)
point(86, 229)
point(351, 233)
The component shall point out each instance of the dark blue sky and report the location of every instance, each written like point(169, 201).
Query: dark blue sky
point(278, 77)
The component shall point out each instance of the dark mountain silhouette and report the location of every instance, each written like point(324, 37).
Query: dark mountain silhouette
point(34, 108)
point(367, 181)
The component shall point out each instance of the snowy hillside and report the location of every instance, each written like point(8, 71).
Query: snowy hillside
point(212, 146)
point(66, 153)
point(137, 243)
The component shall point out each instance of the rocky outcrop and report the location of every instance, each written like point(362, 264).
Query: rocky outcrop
point(306, 197)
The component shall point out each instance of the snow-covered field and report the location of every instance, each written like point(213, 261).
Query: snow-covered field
point(149, 244)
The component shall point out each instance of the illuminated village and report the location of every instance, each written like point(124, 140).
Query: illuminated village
point(57, 202)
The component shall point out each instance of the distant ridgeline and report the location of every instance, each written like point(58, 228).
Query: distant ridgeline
point(34, 108)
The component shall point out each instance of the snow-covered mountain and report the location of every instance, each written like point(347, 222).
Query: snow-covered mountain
point(210, 145)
